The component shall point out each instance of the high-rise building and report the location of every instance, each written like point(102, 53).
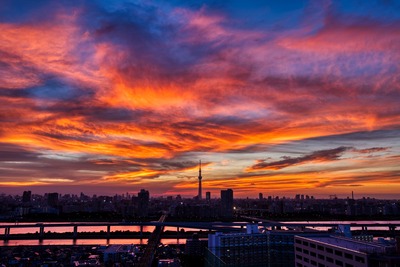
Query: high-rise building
point(260, 196)
point(26, 196)
point(208, 196)
point(227, 203)
point(199, 196)
point(52, 199)
point(143, 203)
point(255, 249)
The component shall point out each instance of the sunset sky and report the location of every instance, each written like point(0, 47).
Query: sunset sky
point(278, 97)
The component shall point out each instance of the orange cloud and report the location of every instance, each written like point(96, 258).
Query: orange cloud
point(134, 94)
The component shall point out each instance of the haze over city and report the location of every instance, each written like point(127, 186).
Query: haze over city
point(108, 97)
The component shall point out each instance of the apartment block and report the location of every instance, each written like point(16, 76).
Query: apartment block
point(329, 251)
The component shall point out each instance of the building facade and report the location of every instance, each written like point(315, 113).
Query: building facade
point(326, 251)
point(227, 203)
point(251, 249)
point(143, 203)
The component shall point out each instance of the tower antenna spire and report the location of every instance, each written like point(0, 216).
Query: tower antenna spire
point(199, 167)
point(200, 178)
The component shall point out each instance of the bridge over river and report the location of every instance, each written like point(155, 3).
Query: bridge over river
point(208, 226)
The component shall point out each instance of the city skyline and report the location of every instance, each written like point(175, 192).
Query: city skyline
point(108, 97)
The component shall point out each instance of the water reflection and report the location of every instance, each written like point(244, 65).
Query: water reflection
point(70, 242)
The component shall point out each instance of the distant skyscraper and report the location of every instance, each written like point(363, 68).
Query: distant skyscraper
point(260, 196)
point(143, 203)
point(52, 199)
point(227, 203)
point(26, 196)
point(208, 196)
point(200, 194)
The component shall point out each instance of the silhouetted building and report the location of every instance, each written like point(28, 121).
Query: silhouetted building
point(208, 196)
point(200, 178)
point(143, 203)
point(52, 199)
point(192, 211)
point(260, 196)
point(117, 253)
point(26, 196)
point(195, 246)
point(227, 203)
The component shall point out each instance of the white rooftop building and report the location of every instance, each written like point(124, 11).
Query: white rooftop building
point(326, 251)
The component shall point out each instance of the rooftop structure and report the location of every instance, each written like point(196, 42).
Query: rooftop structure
point(114, 252)
point(252, 248)
point(338, 251)
point(350, 244)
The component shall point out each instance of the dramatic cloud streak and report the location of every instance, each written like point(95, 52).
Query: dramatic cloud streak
point(122, 93)
point(315, 157)
point(320, 156)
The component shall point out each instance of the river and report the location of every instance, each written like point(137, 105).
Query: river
point(35, 228)
point(94, 242)
point(81, 229)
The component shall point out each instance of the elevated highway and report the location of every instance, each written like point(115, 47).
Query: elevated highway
point(148, 255)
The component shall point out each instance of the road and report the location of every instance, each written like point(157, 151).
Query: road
point(154, 240)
